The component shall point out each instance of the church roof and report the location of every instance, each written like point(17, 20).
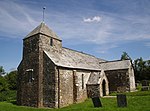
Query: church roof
point(74, 59)
point(43, 29)
point(114, 65)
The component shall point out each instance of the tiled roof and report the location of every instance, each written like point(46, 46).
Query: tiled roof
point(43, 29)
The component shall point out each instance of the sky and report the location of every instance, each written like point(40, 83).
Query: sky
point(103, 28)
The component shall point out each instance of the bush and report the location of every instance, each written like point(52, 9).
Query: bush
point(8, 95)
point(3, 84)
point(11, 79)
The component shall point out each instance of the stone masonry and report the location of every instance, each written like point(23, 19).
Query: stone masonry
point(50, 75)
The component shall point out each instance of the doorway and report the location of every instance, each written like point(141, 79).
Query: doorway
point(104, 87)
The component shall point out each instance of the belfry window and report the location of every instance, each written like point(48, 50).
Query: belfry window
point(30, 75)
point(51, 42)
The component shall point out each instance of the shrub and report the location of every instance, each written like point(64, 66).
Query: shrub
point(8, 95)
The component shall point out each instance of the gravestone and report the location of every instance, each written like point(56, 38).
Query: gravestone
point(145, 85)
point(121, 89)
point(145, 88)
point(121, 100)
point(96, 102)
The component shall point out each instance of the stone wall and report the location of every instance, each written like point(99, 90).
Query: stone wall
point(35, 93)
point(81, 81)
point(72, 86)
point(48, 83)
point(30, 46)
point(93, 90)
point(118, 80)
point(45, 43)
point(65, 87)
point(28, 86)
point(132, 79)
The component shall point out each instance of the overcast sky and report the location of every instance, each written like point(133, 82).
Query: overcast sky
point(103, 28)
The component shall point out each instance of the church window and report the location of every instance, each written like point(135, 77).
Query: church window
point(51, 42)
point(30, 75)
point(82, 81)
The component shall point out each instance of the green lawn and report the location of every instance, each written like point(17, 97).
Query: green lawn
point(137, 101)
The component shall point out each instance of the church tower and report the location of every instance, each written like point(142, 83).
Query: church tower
point(30, 70)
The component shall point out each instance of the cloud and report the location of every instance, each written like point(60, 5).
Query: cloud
point(93, 19)
point(18, 19)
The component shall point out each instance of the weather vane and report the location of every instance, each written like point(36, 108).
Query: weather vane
point(43, 12)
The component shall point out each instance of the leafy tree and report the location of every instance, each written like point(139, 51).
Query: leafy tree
point(142, 69)
point(2, 71)
point(125, 56)
point(12, 80)
point(3, 84)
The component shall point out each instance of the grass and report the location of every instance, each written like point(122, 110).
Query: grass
point(137, 101)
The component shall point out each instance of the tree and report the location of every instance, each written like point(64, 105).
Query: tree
point(2, 71)
point(12, 80)
point(142, 69)
point(3, 84)
point(125, 56)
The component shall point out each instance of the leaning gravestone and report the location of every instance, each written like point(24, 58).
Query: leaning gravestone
point(121, 100)
point(96, 102)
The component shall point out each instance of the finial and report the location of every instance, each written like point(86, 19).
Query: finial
point(43, 12)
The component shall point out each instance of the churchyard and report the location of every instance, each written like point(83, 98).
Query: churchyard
point(136, 101)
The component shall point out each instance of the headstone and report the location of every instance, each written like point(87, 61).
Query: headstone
point(145, 88)
point(145, 83)
point(121, 100)
point(121, 89)
point(96, 102)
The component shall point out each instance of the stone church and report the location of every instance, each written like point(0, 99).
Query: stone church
point(50, 75)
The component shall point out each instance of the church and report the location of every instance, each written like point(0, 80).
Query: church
point(50, 75)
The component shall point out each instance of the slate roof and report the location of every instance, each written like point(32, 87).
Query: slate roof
point(43, 29)
point(114, 65)
point(74, 59)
